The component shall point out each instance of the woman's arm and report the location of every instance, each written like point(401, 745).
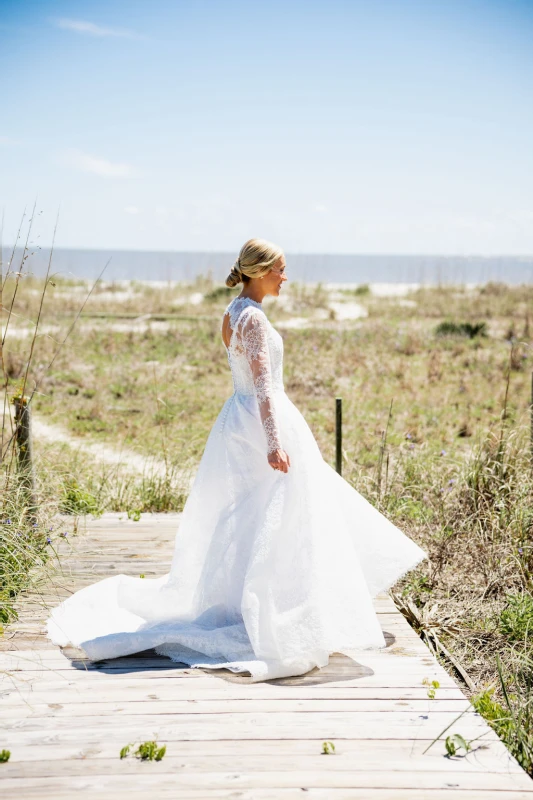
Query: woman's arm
point(253, 335)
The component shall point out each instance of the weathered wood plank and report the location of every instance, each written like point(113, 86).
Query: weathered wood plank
point(238, 762)
point(140, 691)
point(322, 778)
point(162, 792)
point(102, 708)
point(57, 678)
point(199, 727)
point(356, 754)
point(35, 660)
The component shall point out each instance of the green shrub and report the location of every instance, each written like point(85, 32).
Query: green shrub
point(219, 293)
point(79, 501)
point(23, 545)
point(468, 329)
point(493, 712)
point(511, 720)
point(516, 619)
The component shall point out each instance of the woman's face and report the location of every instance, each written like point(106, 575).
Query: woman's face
point(273, 280)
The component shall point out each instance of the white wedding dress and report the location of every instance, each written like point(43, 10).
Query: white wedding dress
point(272, 571)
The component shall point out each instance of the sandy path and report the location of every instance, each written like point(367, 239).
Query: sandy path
point(104, 453)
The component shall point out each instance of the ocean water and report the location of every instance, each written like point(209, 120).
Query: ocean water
point(327, 268)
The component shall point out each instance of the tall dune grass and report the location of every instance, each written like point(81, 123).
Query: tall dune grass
point(67, 484)
point(475, 519)
point(23, 541)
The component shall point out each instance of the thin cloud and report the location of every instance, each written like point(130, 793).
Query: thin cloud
point(132, 210)
point(90, 28)
point(98, 166)
point(8, 140)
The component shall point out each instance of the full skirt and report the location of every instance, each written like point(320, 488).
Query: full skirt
point(272, 572)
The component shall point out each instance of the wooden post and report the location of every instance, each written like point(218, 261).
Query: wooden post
point(338, 435)
point(25, 450)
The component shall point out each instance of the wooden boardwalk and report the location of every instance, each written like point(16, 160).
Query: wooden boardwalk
point(65, 720)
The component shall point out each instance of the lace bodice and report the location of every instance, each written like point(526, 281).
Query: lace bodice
point(255, 356)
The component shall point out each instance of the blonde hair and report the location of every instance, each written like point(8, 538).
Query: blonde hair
point(257, 257)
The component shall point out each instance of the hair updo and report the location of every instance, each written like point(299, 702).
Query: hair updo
point(257, 257)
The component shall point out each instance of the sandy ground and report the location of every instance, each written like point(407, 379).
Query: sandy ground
point(103, 453)
point(23, 332)
point(342, 308)
point(348, 310)
point(141, 324)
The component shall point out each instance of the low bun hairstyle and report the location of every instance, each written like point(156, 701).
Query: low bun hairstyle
point(256, 258)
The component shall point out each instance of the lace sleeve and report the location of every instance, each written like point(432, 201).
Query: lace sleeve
point(252, 329)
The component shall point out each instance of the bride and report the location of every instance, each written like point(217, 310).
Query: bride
point(277, 557)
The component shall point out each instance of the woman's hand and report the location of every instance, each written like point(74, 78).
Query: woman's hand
point(279, 459)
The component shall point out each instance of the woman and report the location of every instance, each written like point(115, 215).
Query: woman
point(277, 558)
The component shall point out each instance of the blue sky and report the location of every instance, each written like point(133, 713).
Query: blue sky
point(385, 126)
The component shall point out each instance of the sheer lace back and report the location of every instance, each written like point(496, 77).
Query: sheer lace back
point(255, 355)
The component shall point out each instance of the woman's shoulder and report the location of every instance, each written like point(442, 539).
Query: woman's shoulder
point(242, 309)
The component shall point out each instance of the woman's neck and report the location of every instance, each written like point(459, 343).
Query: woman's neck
point(253, 291)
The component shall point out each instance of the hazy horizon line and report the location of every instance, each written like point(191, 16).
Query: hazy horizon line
point(230, 253)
